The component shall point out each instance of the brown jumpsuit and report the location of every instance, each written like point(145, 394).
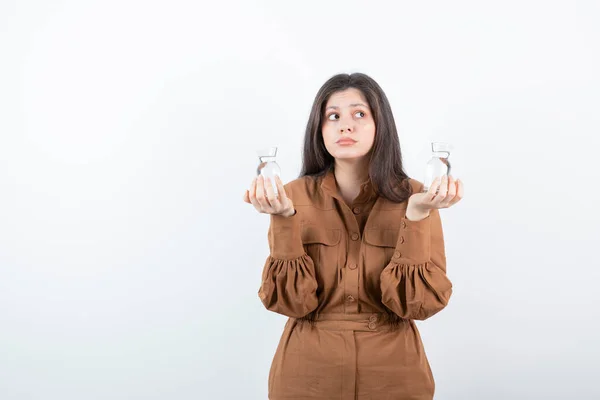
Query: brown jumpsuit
point(352, 279)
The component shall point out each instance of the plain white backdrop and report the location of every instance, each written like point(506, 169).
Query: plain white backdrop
point(129, 264)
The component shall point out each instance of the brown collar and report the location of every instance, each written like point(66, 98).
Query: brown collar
point(329, 185)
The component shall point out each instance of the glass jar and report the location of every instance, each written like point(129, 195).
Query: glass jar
point(268, 167)
point(439, 164)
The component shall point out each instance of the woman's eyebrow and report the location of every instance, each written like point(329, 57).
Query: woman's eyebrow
point(351, 105)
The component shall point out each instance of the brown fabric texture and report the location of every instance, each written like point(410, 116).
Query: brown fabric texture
point(352, 278)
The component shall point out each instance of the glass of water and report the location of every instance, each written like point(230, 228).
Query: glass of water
point(438, 164)
point(267, 166)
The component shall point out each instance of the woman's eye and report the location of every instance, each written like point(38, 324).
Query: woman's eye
point(333, 117)
point(360, 112)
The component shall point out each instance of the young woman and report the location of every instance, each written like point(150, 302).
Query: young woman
point(356, 255)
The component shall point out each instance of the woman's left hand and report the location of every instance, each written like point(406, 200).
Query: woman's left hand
point(449, 192)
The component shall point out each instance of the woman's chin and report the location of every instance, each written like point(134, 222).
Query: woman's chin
point(349, 155)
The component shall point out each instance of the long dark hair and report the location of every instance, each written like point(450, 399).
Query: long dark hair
point(385, 167)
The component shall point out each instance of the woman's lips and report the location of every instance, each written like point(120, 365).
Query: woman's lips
point(346, 142)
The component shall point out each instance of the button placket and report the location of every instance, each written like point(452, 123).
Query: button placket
point(351, 219)
point(351, 278)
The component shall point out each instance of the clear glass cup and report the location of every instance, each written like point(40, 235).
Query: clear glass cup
point(439, 164)
point(268, 167)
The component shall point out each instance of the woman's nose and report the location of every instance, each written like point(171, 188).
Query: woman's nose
point(345, 127)
point(346, 124)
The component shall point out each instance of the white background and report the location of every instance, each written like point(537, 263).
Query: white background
point(129, 264)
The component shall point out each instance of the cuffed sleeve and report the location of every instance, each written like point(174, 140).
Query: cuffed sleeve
point(414, 284)
point(414, 240)
point(285, 237)
point(289, 282)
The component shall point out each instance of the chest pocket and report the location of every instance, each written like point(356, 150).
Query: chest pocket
point(322, 245)
point(381, 244)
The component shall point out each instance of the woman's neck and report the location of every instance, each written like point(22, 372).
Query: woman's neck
point(349, 176)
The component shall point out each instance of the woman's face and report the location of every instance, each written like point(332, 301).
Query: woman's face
point(348, 116)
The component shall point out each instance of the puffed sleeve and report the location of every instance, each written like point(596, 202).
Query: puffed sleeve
point(414, 284)
point(289, 283)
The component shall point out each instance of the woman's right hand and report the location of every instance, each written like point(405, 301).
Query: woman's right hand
point(262, 196)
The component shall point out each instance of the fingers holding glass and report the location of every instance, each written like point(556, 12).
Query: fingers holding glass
point(451, 187)
point(442, 192)
point(252, 194)
point(271, 196)
point(447, 201)
point(434, 188)
point(282, 196)
point(459, 192)
point(260, 193)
